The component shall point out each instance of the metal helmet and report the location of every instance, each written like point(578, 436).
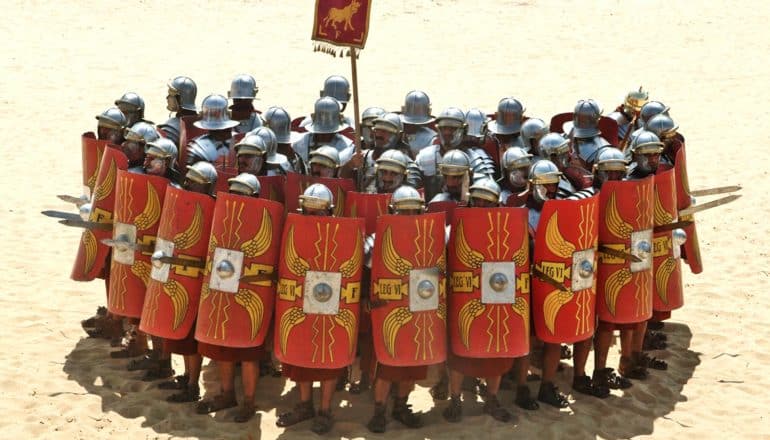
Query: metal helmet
point(245, 184)
point(141, 132)
point(454, 163)
point(325, 155)
point(544, 172)
point(278, 120)
point(610, 159)
point(532, 130)
point(337, 87)
point(243, 86)
point(326, 117)
point(416, 108)
point(162, 148)
point(370, 114)
point(486, 189)
point(185, 90)
point(317, 196)
point(132, 105)
point(663, 126)
point(251, 144)
point(635, 99)
point(203, 173)
point(214, 115)
point(112, 118)
point(646, 142)
point(515, 158)
point(476, 122)
point(393, 160)
point(271, 143)
point(453, 118)
point(406, 197)
point(553, 144)
point(585, 118)
point(389, 122)
point(651, 109)
point(508, 118)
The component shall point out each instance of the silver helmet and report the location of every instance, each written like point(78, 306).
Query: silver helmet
point(278, 120)
point(544, 172)
point(454, 163)
point(132, 105)
point(243, 86)
point(327, 156)
point(476, 121)
point(634, 101)
point(406, 197)
point(486, 189)
point(532, 130)
point(553, 144)
point(416, 108)
point(112, 118)
point(326, 117)
point(162, 148)
point(585, 118)
point(452, 118)
point(646, 142)
point(271, 143)
point(251, 144)
point(508, 118)
point(389, 123)
point(393, 160)
point(214, 115)
point(515, 158)
point(184, 92)
point(370, 114)
point(337, 87)
point(317, 196)
point(651, 109)
point(663, 126)
point(610, 159)
point(141, 132)
point(203, 173)
point(245, 184)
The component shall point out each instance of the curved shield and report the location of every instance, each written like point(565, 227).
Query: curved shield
point(297, 183)
point(92, 150)
point(272, 188)
point(367, 206)
point(564, 296)
point(137, 217)
point(238, 291)
point(691, 247)
point(173, 291)
point(319, 291)
point(91, 258)
point(224, 173)
point(187, 132)
point(447, 207)
point(666, 257)
point(624, 286)
point(488, 270)
point(409, 290)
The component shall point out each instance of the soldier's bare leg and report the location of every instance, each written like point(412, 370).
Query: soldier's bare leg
point(249, 377)
point(548, 392)
point(303, 410)
point(381, 391)
point(323, 420)
point(582, 382)
point(403, 411)
point(523, 398)
point(491, 404)
point(440, 390)
point(226, 398)
point(190, 391)
point(602, 341)
point(455, 382)
point(327, 392)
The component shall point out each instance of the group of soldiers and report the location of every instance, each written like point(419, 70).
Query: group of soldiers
point(470, 241)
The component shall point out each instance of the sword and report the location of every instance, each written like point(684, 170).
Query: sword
point(127, 244)
point(708, 205)
point(715, 191)
point(177, 261)
point(258, 277)
point(61, 214)
point(544, 277)
point(619, 254)
point(672, 226)
point(77, 201)
point(78, 223)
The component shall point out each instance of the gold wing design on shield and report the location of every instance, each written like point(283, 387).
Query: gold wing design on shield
point(522, 309)
point(297, 265)
point(151, 212)
point(395, 263)
point(190, 236)
point(108, 184)
point(468, 313)
point(441, 263)
point(289, 320)
point(554, 301)
point(520, 257)
point(662, 216)
point(555, 241)
point(391, 325)
point(179, 300)
point(349, 267)
point(260, 243)
point(254, 307)
point(614, 285)
point(205, 291)
point(142, 271)
point(339, 207)
point(347, 319)
point(441, 311)
point(615, 223)
point(465, 253)
point(662, 276)
point(89, 245)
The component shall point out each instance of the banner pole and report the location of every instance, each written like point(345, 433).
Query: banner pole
point(356, 112)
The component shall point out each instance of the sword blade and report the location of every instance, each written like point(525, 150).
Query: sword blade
point(708, 205)
point(619, 254)
point(176, 261)
point(258, 277)
point(672, 226)
point(78, 201)
point(77, 223)
point(61, 214)
point(544, 277)
point(140, 247)
point(715, 191)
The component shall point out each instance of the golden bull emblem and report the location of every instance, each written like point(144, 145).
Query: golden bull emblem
point(341, 16)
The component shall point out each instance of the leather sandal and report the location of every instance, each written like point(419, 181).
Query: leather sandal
point(301, 412)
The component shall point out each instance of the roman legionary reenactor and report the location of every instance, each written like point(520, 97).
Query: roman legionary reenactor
point(417, 121)
point(180, 101)
point(324, 166)
point(408, 300)
point(173, 291)
point(317, 308)
point(488, 305)
point(243, 92)
point(505, 128)
point(215, 146)
point(515, 164)
point(627, 114)
point(238, 293)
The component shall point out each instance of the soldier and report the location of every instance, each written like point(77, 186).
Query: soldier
point(250, 152)
point(324, 162)
point(476, 131)
point(180, 101)
point(387, 132)
point(324, 129)
point(627, 114)
point(416, 117)
point(276, 164)
point(515, 163)
point(666, 130)
point(648, 111)
point(278, 120)
point(243, 91)
point(133, 147)
point(160, 160)
point(213, 146)
point(111, 125)
point(455, 170)
point(586, 139)
point(452, 130)
point(532, 130)
point(505, 129)
point(555, 147)
point(132, 105)
point(338, 87)
point(367, 126)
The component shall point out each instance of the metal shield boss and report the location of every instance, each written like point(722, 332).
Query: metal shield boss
point(488, 269)
point(667, 265)
point(624, 280)
point(137, 218)
point(91, 258)
point(408, 290)
point(319, 291)
point(366, 206)
point(564, 262)
point(174, 288)
point(691, 247)
point(238, 290)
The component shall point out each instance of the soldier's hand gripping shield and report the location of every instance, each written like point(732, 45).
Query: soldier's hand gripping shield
point(488, 271)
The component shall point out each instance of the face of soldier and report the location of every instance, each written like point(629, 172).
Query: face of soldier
point(454, 184)
point(478, 202)
point(388, 180)
point(155, 166)
point(648, 163)
point(114, 135)
point(541, 192)
point(408, 212)
point(132, 114)
point(172, 102)
point(383, 138)
point(367, 135)
point(316, 211)
point(450, 137)
point(193, 186)
point(249, 163)
point(318, 170)
point(134, 151)
point(518, 178)
point(560, 160)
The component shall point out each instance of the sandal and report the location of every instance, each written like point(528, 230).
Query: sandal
point(191, 393)
point(146, 362)
point(440, 391)
point(360, 386)
point(131, 350)
point(402, 412)
point(245, 412)
point(607, 377)
point(322, 423)
point(550, 394)
point(378, 421)
point(493, 408)
point(301, 412)
point(90, 323)
point(584, 385)
point(654, 341)
point(216, 403)
point(177, 383)
point(524, 399)
point(565, 353)
point(653, 362)
point(454, 412)
point(655, 325)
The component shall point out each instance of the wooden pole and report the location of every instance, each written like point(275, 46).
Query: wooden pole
point(356, 112)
